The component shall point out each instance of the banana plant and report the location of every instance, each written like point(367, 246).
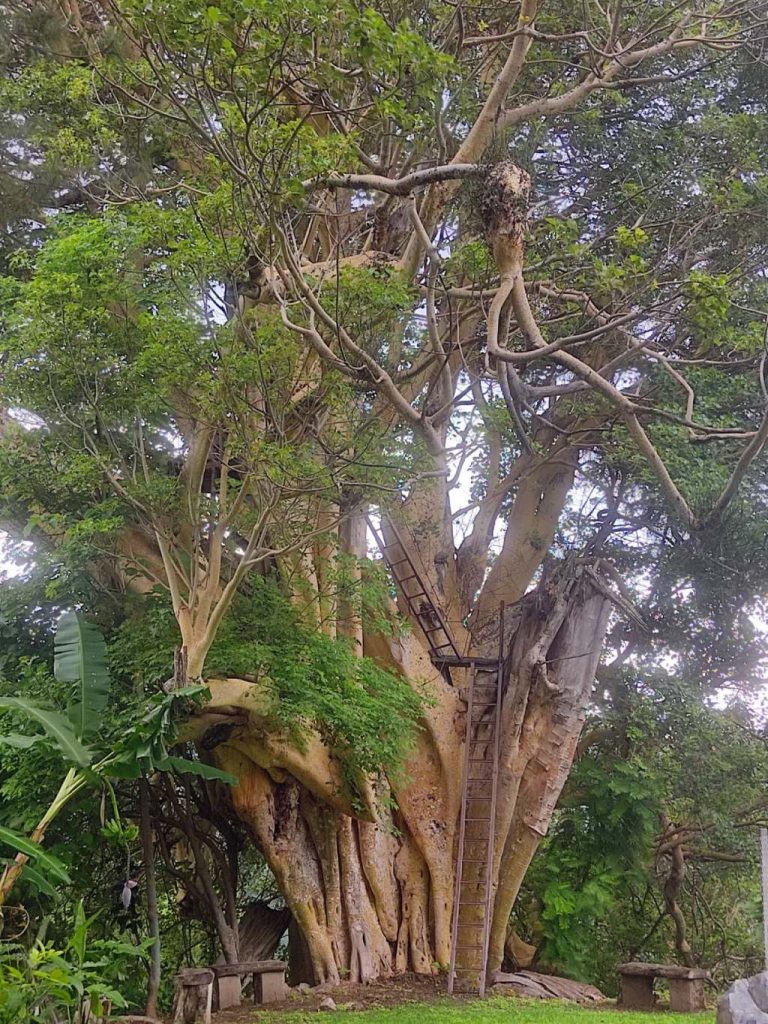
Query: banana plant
point(80, 658)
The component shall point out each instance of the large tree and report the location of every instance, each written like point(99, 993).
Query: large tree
point(493, 271)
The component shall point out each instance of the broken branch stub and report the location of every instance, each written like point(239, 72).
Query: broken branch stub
point(504, 211)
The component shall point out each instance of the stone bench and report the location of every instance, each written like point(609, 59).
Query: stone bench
point(686, 986)
point(268, 977)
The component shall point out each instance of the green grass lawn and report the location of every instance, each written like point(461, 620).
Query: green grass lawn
point(501, 1010)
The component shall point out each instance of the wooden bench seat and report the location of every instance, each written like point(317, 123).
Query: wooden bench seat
point(686, 986)
point(196, 987)
point(268, 977)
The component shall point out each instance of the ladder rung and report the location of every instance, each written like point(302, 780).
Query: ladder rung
point(472, 903)
point(475, 860)
point(477, 819)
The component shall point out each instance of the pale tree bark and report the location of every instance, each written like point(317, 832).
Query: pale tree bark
point(373, 892)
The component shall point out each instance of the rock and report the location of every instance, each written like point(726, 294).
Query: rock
point(739, 1006)
point(546, 986)
point(758, 990)
point(134, 1018)
point(303, 988)
point(327, 1004)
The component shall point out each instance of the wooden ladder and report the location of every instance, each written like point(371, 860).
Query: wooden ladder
point(481, 749)
point(415, 592)
point(477, 824)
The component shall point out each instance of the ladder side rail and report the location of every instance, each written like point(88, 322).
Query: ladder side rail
point(489, 888)
point(409, 599)
point(377, 536)
point(433, 605)
point(462, 830)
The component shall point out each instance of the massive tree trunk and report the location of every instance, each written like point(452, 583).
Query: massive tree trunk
point(373, 892)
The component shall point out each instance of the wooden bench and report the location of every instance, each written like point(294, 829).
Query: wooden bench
point(268, 977)
point(686, 986)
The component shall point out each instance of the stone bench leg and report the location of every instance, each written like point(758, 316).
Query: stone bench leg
point(269, 987)
point(228, 991)
point(637, 992)
point(686, 995)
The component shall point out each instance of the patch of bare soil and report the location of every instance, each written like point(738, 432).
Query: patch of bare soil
point(406, 988)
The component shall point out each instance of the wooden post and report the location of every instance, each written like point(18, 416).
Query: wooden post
point(489, 887)
point(193, 998)
point(764, 871)
point(462, 831)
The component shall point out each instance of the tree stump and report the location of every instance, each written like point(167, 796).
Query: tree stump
point(193, 997)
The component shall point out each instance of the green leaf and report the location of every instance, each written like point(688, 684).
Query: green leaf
point(57, 727)
point(81, 657)
point(79, 938)
point(38, 879)
point(44, 860)
point(21, 742)
point(183, 766)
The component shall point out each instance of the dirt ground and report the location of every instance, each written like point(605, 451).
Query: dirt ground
point(406, 988)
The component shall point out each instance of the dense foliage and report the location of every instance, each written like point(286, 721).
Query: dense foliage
point(595, 895)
